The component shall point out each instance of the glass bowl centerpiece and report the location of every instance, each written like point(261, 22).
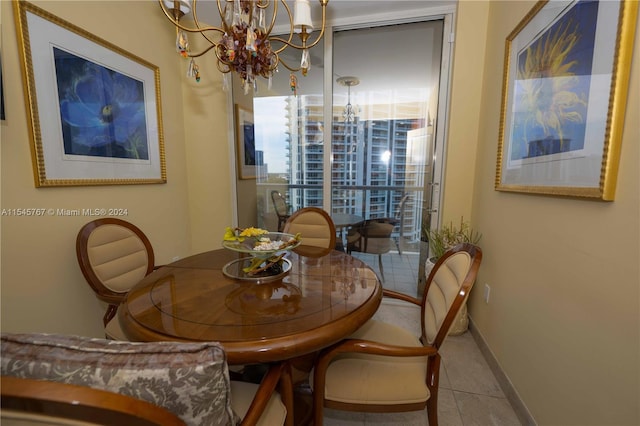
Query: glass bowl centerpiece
point(266, 250)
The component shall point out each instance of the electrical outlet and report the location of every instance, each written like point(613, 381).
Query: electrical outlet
point(487, 292)
point(175, 258)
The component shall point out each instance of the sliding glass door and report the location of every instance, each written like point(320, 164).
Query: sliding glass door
point(372, 153)
point(384, 108)
point(288, 128)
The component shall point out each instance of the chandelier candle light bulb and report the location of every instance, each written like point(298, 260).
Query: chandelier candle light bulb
point(302, 16)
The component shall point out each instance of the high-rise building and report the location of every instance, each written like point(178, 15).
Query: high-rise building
point(375, 162)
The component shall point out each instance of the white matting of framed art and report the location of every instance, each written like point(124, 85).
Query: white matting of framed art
point(566, 77)
point(94, 109)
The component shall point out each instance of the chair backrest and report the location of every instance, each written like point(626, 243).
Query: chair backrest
point(279, 204)
point(42, 402)
point(399, 217)
point(113, 255)
point(190, 380)
point(314, 225)
point(281, 207)
point(376, 235)
point(446, 289)
point(177, 376)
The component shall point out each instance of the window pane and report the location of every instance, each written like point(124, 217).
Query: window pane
point(288, 135)
point(384, 105)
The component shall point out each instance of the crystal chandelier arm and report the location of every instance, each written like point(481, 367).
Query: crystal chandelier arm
point(274, 38)
point(185, 28)
point(198, 29)
point(197, 55)
point(274, 14)
point(221, 12)
point(222, 65)
point(203, 30)
point(260, 4)
point(292, 69)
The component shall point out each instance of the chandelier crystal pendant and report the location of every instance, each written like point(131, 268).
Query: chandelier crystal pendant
point(350, 111)
point(243, 42)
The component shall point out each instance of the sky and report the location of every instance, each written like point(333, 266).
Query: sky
point(270, 123)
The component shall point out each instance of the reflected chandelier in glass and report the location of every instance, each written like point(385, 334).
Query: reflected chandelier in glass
point(350, 111)
point(243, 42)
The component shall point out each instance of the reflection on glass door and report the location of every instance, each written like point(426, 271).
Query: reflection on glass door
point(379, 132)
point(384, 110)
point(288, 126)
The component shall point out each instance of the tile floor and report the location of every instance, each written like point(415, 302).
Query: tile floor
point(400, 271)
point(469, 393)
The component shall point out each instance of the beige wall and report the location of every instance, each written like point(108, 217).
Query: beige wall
point(563, 320)
point(42, 286)
point(206, 138)
point(246, 189)
point(464, 114)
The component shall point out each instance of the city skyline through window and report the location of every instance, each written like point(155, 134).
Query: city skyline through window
point(365, 163)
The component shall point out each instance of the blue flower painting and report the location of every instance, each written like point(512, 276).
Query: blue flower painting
point(551, 92)
point(102, 110)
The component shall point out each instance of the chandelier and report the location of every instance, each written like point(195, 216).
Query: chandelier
point(350, 111)
point(243, 42)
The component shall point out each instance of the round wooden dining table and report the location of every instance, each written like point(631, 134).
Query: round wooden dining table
point(324, 297)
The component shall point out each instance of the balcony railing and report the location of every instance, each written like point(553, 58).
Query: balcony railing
point(369, 201)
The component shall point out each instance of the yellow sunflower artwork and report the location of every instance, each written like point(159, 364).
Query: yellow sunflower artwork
point(553, 77)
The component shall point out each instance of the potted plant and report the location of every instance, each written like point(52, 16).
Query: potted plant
point(441, 240)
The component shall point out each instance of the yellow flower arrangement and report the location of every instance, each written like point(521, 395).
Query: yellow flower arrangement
point(262, 248)
point(239, 234)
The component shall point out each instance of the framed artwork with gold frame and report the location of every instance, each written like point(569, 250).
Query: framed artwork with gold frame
point(93, 108)
point(566, 77)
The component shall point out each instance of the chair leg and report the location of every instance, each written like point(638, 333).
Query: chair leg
point(111, 312)
point(433, 379)
point(319, 381)
point(432, 410)
point(397, 241)
point(380, 266)
point(286, 391)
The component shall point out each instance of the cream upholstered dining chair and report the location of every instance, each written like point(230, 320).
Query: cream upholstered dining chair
point(314, 225)
point(190, 380)
point(385, 368)
point(399, 220)
point(283, 210)
point(113, 255)
point(372, 236)
point(29, 402)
